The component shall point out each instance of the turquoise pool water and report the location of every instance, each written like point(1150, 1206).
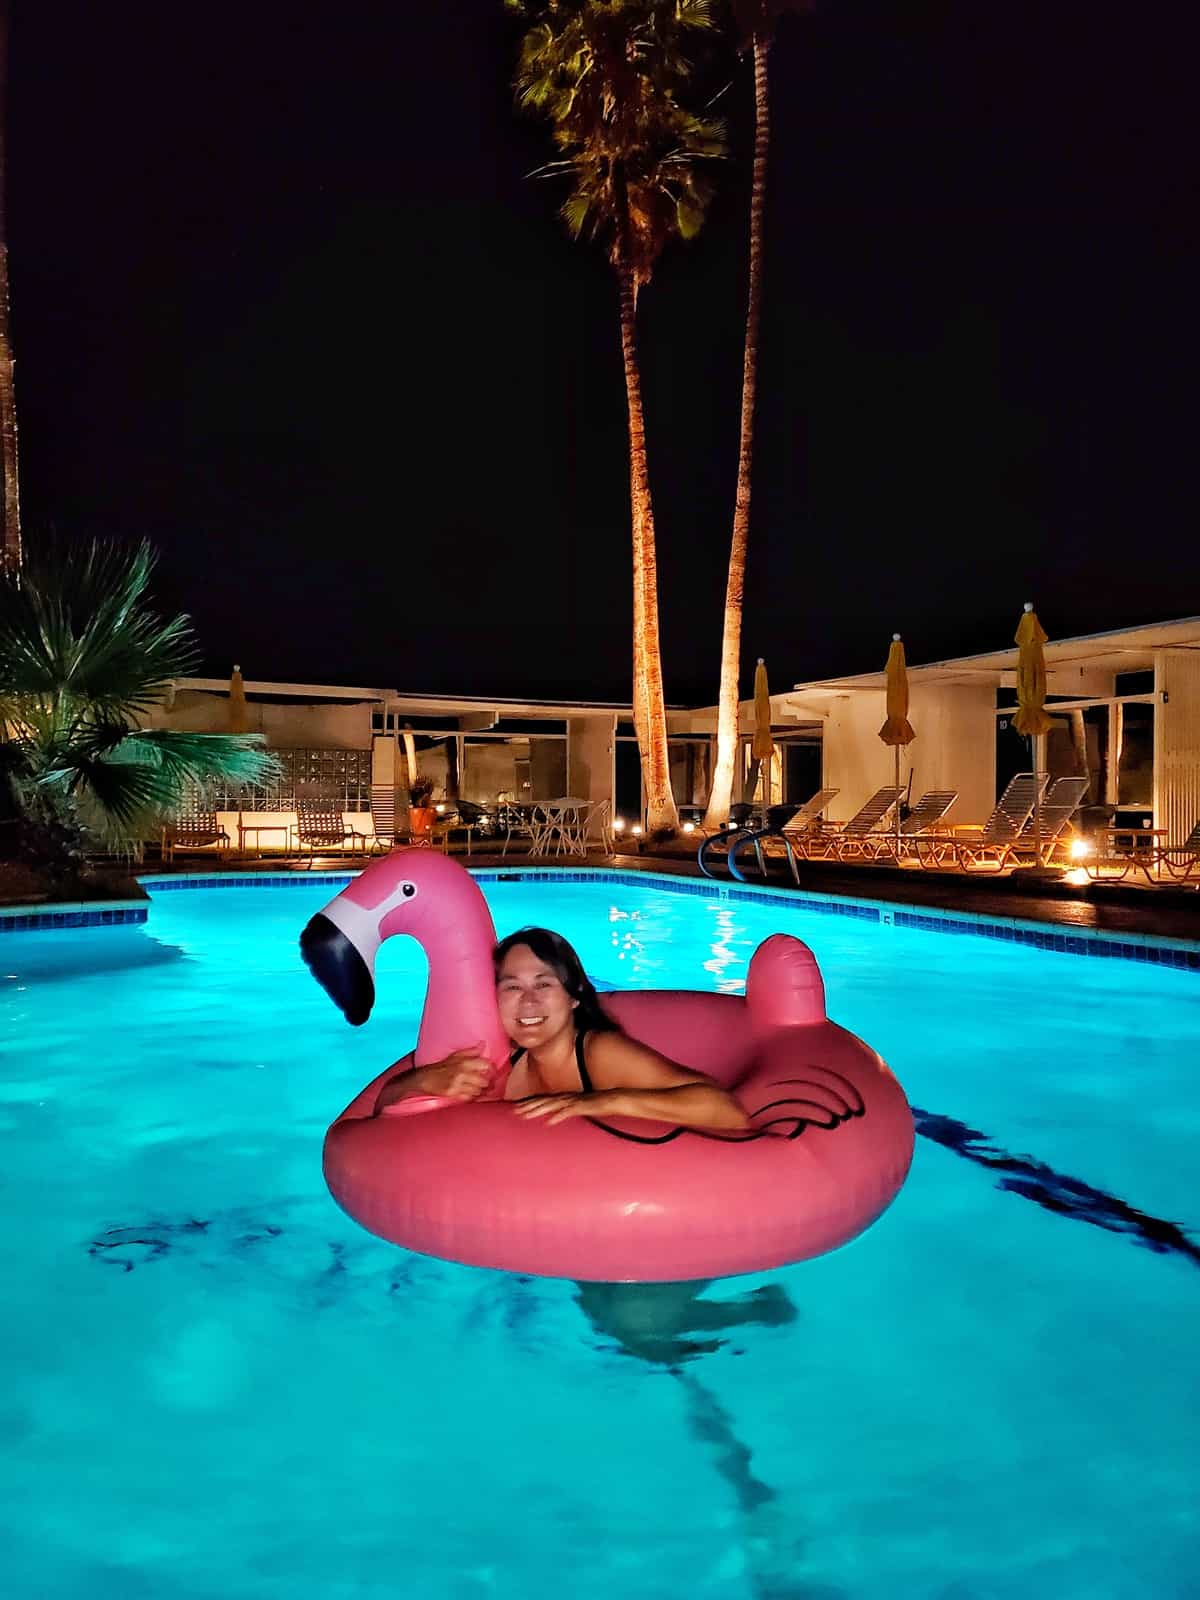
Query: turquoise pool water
point(215, 1387)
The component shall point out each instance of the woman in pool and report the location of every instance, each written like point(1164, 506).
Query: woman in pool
point(569, 1059)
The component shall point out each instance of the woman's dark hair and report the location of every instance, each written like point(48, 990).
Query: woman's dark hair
point(559, 956)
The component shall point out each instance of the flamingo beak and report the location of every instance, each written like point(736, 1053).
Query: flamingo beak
point(339, 967)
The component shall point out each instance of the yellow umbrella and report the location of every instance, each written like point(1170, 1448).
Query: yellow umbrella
point(897, 730)
point(762, 746)
point(1031, 718)
point(238, 716)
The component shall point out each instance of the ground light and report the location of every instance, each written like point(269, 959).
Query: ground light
point(1079, 849)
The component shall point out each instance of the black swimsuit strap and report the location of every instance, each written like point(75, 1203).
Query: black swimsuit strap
point(584, 1081)
point(582, 1064)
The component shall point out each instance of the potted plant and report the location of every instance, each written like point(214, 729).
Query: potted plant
point(421, 815)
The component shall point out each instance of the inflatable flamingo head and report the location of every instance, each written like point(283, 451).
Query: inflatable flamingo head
point(436, 902)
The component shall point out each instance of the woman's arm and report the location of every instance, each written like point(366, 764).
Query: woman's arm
point(463, 1075)
point(631, 1080)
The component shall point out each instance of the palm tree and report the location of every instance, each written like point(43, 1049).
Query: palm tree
point(83, 659)
point(10, 519)
point(755, 21)
point(608, 75)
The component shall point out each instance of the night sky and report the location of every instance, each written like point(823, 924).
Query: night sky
point(285, 302)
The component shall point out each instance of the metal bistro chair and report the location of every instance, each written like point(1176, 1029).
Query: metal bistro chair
point(195, 827)
point(320, 826)
point(383, 816)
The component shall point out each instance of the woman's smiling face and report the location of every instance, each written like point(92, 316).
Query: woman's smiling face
point(534, 1006)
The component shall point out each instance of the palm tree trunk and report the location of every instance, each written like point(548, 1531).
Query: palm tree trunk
point(10, 544)
point(721, 789)
point(649, 708)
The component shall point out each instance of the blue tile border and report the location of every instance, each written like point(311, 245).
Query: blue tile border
point(255, 880)
point(103, 917)
point(1183, 955)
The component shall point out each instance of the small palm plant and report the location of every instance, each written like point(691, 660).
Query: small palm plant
point(83, 660)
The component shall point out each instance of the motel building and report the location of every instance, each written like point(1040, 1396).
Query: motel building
point(1126, 704)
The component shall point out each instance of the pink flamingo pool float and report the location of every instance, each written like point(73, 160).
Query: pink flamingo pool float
point(619, 1199)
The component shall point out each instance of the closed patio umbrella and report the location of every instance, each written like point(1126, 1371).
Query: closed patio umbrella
point(1031, 718)
point(238, 715)
point(762, 746)
point(897, 730)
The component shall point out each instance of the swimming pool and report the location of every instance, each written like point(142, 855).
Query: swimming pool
point(215, 1385)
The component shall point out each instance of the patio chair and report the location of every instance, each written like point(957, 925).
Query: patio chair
point(383, 816)
point(195, 827)
point(991, 843)
point(921, 822)
point(847, 840)
point(320, 827)
point(516, 818)
point(597, 827)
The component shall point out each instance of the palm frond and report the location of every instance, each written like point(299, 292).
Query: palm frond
point(192, 759)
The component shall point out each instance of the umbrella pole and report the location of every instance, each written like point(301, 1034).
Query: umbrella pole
point(897, 806)
point(1037, 802)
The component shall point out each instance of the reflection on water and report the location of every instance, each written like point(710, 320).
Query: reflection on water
point(725, 963)
point(658, 1323)
point(53, 957)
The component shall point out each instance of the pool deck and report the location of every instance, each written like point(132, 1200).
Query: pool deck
point(1163, 912)
point(1159, 912)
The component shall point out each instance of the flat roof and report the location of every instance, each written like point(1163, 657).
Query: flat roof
point(415, 704)
point(1118, 650)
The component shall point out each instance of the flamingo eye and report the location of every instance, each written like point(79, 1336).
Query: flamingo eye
point(408, 890)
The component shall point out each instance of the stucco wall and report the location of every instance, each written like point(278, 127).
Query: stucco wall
point(321, 725)
point(955, 748)
point(590, 745)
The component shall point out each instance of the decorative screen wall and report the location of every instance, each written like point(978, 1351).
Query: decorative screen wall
point(343, 776)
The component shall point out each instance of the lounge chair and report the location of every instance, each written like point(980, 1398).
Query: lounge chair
point(195, 828)
point(321, 827)
point(840, 842)
point(991, 844)
point(1049, 822)
point(921, 822)
point(808, 817)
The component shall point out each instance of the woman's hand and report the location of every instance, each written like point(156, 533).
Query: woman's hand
point(463, 1075)
point(551, 1108)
